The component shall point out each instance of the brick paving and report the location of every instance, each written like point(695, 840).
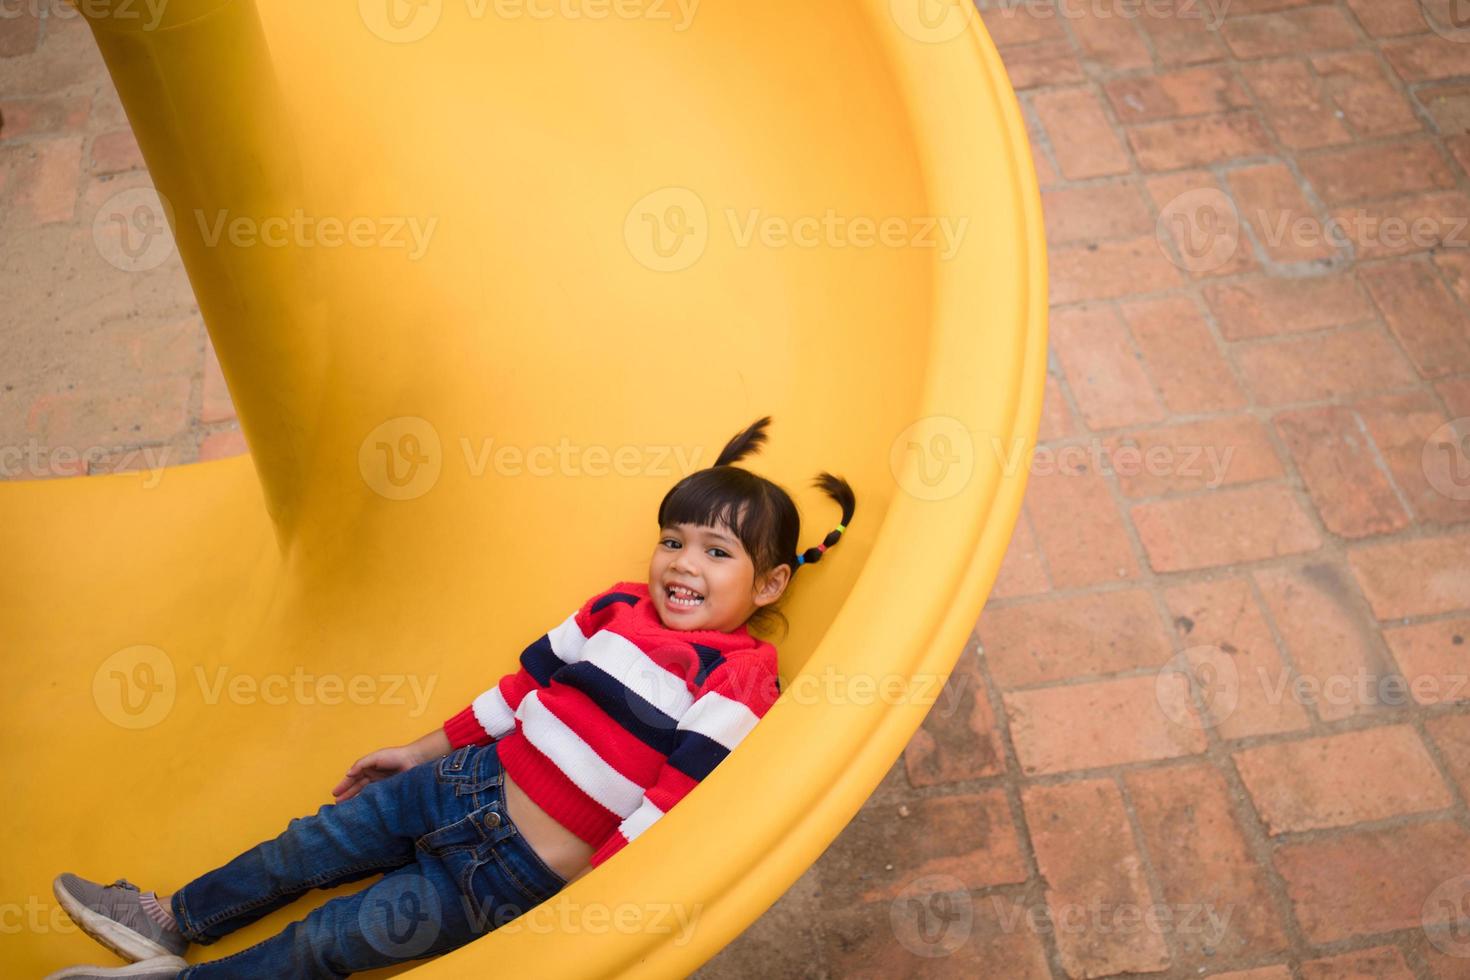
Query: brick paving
point(1219, 727)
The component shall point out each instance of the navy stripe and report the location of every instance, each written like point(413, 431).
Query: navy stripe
point(541, 661)
point(709, 659)
point(633, 713)
point(697, 754)
point(624, 597)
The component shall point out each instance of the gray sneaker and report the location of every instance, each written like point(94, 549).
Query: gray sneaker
point(113, 915)
point(157, 968)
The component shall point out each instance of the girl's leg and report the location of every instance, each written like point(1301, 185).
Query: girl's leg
point(343, 842)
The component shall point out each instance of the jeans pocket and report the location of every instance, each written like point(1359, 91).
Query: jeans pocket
point(467, 770)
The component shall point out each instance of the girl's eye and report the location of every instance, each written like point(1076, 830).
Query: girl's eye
point(721, 551)
point(668, 541)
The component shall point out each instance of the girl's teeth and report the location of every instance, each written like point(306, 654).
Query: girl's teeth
point(679, 599)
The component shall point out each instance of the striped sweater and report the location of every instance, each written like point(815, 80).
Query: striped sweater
point(613, 717)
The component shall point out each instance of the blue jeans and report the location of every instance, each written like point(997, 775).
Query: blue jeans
point(454, 868)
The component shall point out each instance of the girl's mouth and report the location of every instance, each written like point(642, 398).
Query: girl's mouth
point(681, 598)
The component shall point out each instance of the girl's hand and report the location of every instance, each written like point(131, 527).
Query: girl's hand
point(373, 767)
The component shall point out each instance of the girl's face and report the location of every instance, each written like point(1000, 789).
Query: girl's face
point(711, 562)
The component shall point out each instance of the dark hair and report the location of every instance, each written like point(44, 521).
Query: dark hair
point(758, 512)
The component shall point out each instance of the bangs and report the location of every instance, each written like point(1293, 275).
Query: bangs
point(735, 498)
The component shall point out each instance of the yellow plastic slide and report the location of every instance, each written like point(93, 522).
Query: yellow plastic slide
point(486, 277)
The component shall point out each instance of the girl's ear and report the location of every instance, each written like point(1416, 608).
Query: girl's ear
point(775, 582)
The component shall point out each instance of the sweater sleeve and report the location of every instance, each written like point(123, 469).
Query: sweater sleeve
point(492, 715)
point(735, 697)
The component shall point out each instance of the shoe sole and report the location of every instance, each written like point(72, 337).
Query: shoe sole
point(128, 943)
point(131, 970)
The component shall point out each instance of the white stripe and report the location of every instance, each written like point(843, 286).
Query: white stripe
point(567, 640)
point(493, 712)
point(573, 756)
point(723, 719)
point(622, 659)
point(640, 820)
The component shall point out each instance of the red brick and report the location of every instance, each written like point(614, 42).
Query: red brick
point(1021, 572)
point(148, 411)
point(1203, 223)
point(1455, 267)
point(1289, 32)
point(1319, 366)
point(1086, 855)
point(1110, 270)
point(1337, 463)
point(20, 31)
point(1422, 577)
point(1433, 659)
point(1361, 173)
point(1187, 36)
point(1095, 212)
point(1444, 966)
point(967, 836)
point(1223, 528)
point(40, 180)
point(1456, 394)
point(1077, 524)
point(1044, 63)
point(1262, 973)
point(1102, 370)
point(1025, 23)
point(1079, 636)
point(1428, 58)
point(1198, 141)
point(1422, 314)
point(1081, 136)
point(1075, 726)
point(1189, 92)
point(959, 739)
point(1316, 609)
point(1378, 963)
point(1203, 862)
point(1229, 646)
point(1274, 206)
point(217, 406)
point(1370, 881)
point(1372, 102)
point(1451, 735)
point(38, 117)
point(1056, 418)
point(879, 940)
point(1264, 307)
point(116, 152)
point(222, 445)
point(1342, 779)
point(1182, 358)
point(1295, 103)
point(1448, 105)
point(1430, 465)
point(1459, 147)
point(1387, 18)
point(1194, 456)
point(1108, 41)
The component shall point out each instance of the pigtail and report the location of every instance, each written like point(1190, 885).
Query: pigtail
point(745, 443)
point(836, 488)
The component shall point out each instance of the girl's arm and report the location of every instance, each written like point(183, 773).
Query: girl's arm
point(385, 762)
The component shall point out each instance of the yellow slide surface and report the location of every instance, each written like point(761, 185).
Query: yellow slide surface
point(485, 279)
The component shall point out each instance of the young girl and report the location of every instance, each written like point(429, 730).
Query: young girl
point(517, 795)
